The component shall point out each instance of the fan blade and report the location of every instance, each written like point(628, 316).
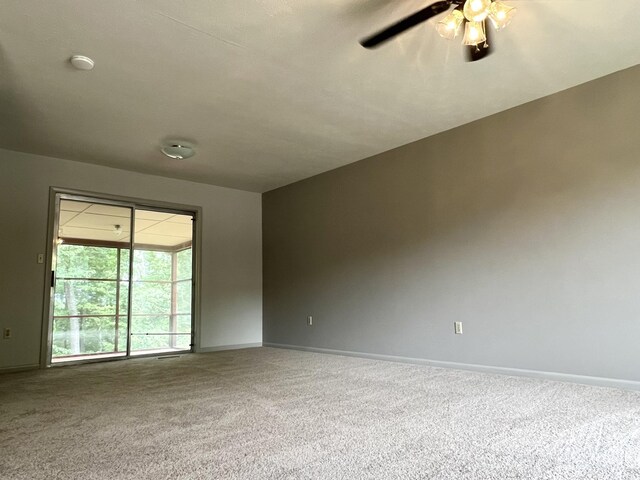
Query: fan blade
point(478, 52)
point(405, 24)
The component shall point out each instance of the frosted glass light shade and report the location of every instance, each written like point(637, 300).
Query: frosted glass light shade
point(474, 33)
point(178, 150)
point(476, 10)
point(449, 26)
point(501, 14)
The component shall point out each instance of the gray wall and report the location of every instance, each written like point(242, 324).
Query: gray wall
point(231, 247)
point(524, 225)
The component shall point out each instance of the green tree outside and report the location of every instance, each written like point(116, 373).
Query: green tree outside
point(90, 318)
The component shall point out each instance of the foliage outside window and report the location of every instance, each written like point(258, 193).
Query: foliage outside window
point(91, 295)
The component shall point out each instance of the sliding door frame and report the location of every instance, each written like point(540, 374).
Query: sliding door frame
point(133, 203)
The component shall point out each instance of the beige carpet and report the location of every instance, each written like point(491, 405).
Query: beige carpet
point(279, 414)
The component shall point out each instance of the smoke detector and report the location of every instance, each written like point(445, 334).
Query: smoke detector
point(80, 62)
point(178, 150)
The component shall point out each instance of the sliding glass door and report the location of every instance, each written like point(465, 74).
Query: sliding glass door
point(162, 283)
point(107, 303)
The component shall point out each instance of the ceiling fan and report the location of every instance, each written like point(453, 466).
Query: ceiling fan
point(469, 14)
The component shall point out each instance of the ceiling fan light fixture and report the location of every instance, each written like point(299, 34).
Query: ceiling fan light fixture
point(474, 33)
point(472, 14)
point(449, 26)
point(501, 14)
point(476, 10)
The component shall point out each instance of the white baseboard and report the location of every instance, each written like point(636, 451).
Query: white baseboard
point(518, 372)
point(19, 368)
point(229, 347)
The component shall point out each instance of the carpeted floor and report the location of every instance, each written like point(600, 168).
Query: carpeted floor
point(279, 414)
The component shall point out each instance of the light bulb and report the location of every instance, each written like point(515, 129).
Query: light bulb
point(476, 10)
point(117, 230)
point(474, 33)
point(449, 26)
point(501, 14)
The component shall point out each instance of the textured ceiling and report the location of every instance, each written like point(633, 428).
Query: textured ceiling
point(273, 91)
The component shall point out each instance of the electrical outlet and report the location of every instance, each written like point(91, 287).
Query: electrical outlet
point(6, 333)
point(310, 321)
point(457, 328)
point(41, 258)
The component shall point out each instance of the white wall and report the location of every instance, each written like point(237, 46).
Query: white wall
point(231, 288)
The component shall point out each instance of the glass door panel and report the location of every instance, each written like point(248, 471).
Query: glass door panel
point(161, 300)
point(89, 314)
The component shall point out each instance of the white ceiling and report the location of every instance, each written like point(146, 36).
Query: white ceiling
point(91, 221)
point(273, 91)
